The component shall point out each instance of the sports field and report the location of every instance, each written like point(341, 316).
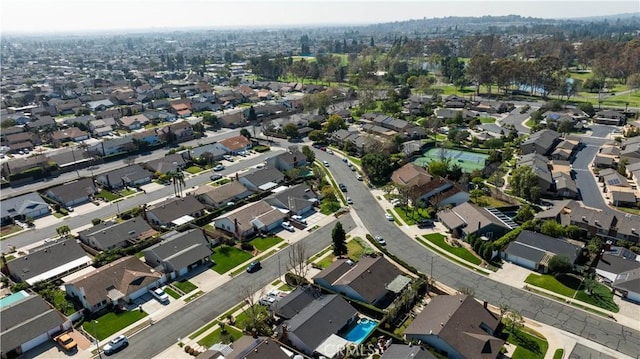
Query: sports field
point(468, 161)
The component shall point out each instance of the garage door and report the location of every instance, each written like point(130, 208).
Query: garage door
point(34, 342)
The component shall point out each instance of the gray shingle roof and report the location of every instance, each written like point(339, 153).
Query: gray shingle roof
point(295, 301)
point(261, 176)
point(74, 190)
point(549, 244)
point(402, 351)
point(321, 318)
point(45, 259)
point(182, 249)
point(130, 174)
point(523, 251)
point(175, 208)
point(25, 320)
point(108, 234)
point(22, 205)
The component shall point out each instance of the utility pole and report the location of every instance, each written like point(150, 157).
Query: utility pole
point(95, 332)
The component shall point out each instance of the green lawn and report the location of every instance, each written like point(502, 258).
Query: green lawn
point(409, 215)
point(243, 320)
point(529, 346)
point(227, 258)
point(172, 293)
point(185, 286)
point(487, 120)
point(563, 284)
point(286, 288)
point(194, 169)
point(635, 211)
point(530, 123)
point(263, 244)
point(354, 249)
point(488, 201)
point(58, 214)
point(126, 192)
point(112, 323)
point(220, 182)
point(107, 196)
point(460, 252)
point(601, 297)
point(217, 336)
point(558, 354)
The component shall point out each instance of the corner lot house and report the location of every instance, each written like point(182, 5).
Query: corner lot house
point(178, 253)
point(21, 207)
point(51, 261)
point(118, 282)
point(110, 235)
point(466, 218)
point(298, 199)
point(27, 321)
point(73, 193)
point(615, 262)
point(236, 144)
point(458, 327)
point(534, 250)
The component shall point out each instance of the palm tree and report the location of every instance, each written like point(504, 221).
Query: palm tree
point(177, 178)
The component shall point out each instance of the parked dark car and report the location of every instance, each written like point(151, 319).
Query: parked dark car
point(254, 267)
point(425, 223)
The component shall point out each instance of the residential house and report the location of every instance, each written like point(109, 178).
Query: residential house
point(286, 161)
point(99, 105)
point(236, 144)
point(628, 284)
point(150, 137)
point(109, 235)
point(391, 123)
point(114, 284)
point(110, 146)
point(466, 218)
point(630, 152)
point(175, 211)
point(603, 162)
point(177, 132)
point(181, 109)
point(21, 140)
point(458, 327)
point(178, 253)
point(133, 175)
point(593, 222)
point(27, 321)
point(455, 101)
point(101, 127)
point(233, 120)
point(540, 167)
point(534, 250)
point(73, 193)
point(565, 150)
point(24, 164)
point(246, 221)
point(42, 124)
point(565, 186)
point(323, 317)
point(220, 196)
point(170, 163)
point(48, 262)
point(29, 205)
point(609, 117)
point(624, 197)
point(248, 347)
point(614, 262)
point(366, 280)
point(541, 142)
point(290, 305)
point(383, 132)
point(263, 179)
point(298, 199)
point(449, 113)
point(421, 186)
point(133, 122)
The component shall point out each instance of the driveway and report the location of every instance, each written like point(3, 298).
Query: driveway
point(516, 119)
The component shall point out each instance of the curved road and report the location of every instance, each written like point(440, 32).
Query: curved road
point(593, 327)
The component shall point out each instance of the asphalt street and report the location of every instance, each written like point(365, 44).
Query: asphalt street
point(181, 323)
point(590, 326)
point(106, 210)
point(516, 118)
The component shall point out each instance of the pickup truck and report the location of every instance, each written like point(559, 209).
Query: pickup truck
point(66, 342)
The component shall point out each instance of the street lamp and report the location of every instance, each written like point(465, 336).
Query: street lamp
point(95, 333)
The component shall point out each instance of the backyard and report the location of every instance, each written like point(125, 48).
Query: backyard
point(227, 257)
point(111, 323)
point(460, 252)
point(567, 285)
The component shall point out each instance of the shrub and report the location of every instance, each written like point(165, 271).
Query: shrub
point(187, 348)
point(246, 246)
point(96, 221)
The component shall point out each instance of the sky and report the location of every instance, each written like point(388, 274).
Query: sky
point(82, 16)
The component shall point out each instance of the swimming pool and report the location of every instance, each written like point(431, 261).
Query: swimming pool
point(361, 330)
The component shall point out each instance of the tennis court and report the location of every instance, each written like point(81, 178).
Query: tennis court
point(468, 161)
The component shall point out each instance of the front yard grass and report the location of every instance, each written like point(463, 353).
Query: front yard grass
point(530, 346)
point(263, 244)
point(107, 195)
point(126, 192)
point(230, 335)
point(354, 252)
point(185, 286)
point(409, 215)
point(227, 258)
point(9, 229)
point(243, 319)
point(460, 252)
point(601, 297)
point(488, 201)
point(487, 120)
point(567, 285)
point(112, 323)
point(172, 293)
point(194, 169)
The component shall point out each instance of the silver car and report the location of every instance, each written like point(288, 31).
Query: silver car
point(116, 344)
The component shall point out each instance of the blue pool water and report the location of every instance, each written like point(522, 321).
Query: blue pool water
point(13, 298)
point(361, 331)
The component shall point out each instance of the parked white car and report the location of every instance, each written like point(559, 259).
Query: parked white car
point(389, 217)
point(116, 344)
point(160, 295)
point(299, 219)
point(288, 226)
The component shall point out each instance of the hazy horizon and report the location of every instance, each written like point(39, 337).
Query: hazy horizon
point(78, 17)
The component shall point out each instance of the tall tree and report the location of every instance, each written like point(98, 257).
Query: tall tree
point(339, 238)
point(308, 154)
point(298, 259)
